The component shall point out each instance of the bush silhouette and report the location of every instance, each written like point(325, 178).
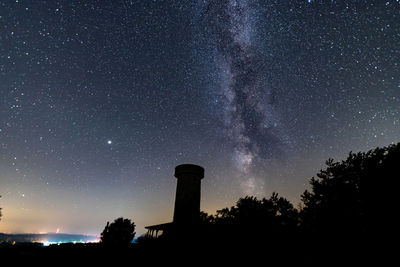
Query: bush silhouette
point(252, 221)
point(120, 233)
point(275, 213)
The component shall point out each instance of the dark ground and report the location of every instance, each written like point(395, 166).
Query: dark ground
point(316, 252)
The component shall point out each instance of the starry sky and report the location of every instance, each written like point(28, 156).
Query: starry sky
point(100, 100)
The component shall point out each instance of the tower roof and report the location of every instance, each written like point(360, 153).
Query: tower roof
point(189, 169)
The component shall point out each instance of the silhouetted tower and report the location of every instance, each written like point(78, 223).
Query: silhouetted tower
point(187, 202)
point(187, 199)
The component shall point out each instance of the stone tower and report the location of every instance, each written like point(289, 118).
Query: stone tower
point(188, 190)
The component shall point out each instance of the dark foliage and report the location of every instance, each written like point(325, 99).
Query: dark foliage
point(355, 196)
point(275, 214)
point(120, 233)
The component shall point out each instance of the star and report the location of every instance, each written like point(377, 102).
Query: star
point(109, 142)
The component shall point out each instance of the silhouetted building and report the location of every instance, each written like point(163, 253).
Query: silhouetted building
point(187, 200)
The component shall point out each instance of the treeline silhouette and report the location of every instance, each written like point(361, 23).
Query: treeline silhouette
point(349, 214)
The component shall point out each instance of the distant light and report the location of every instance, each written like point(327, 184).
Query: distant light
point(109, 142)
point(47, 243)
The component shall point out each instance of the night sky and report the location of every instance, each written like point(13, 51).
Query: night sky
point(100, 100)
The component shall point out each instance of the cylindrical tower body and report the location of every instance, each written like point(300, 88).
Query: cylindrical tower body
point(188, 189)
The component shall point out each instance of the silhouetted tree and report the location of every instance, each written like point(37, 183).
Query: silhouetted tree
point(0, 212)
point(205, 218)
point(355, 196)
point(259, 218)
point(119, 233)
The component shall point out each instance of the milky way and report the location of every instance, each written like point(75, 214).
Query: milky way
point(249, 116)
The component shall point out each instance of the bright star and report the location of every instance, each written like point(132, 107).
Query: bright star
point(109, 142)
